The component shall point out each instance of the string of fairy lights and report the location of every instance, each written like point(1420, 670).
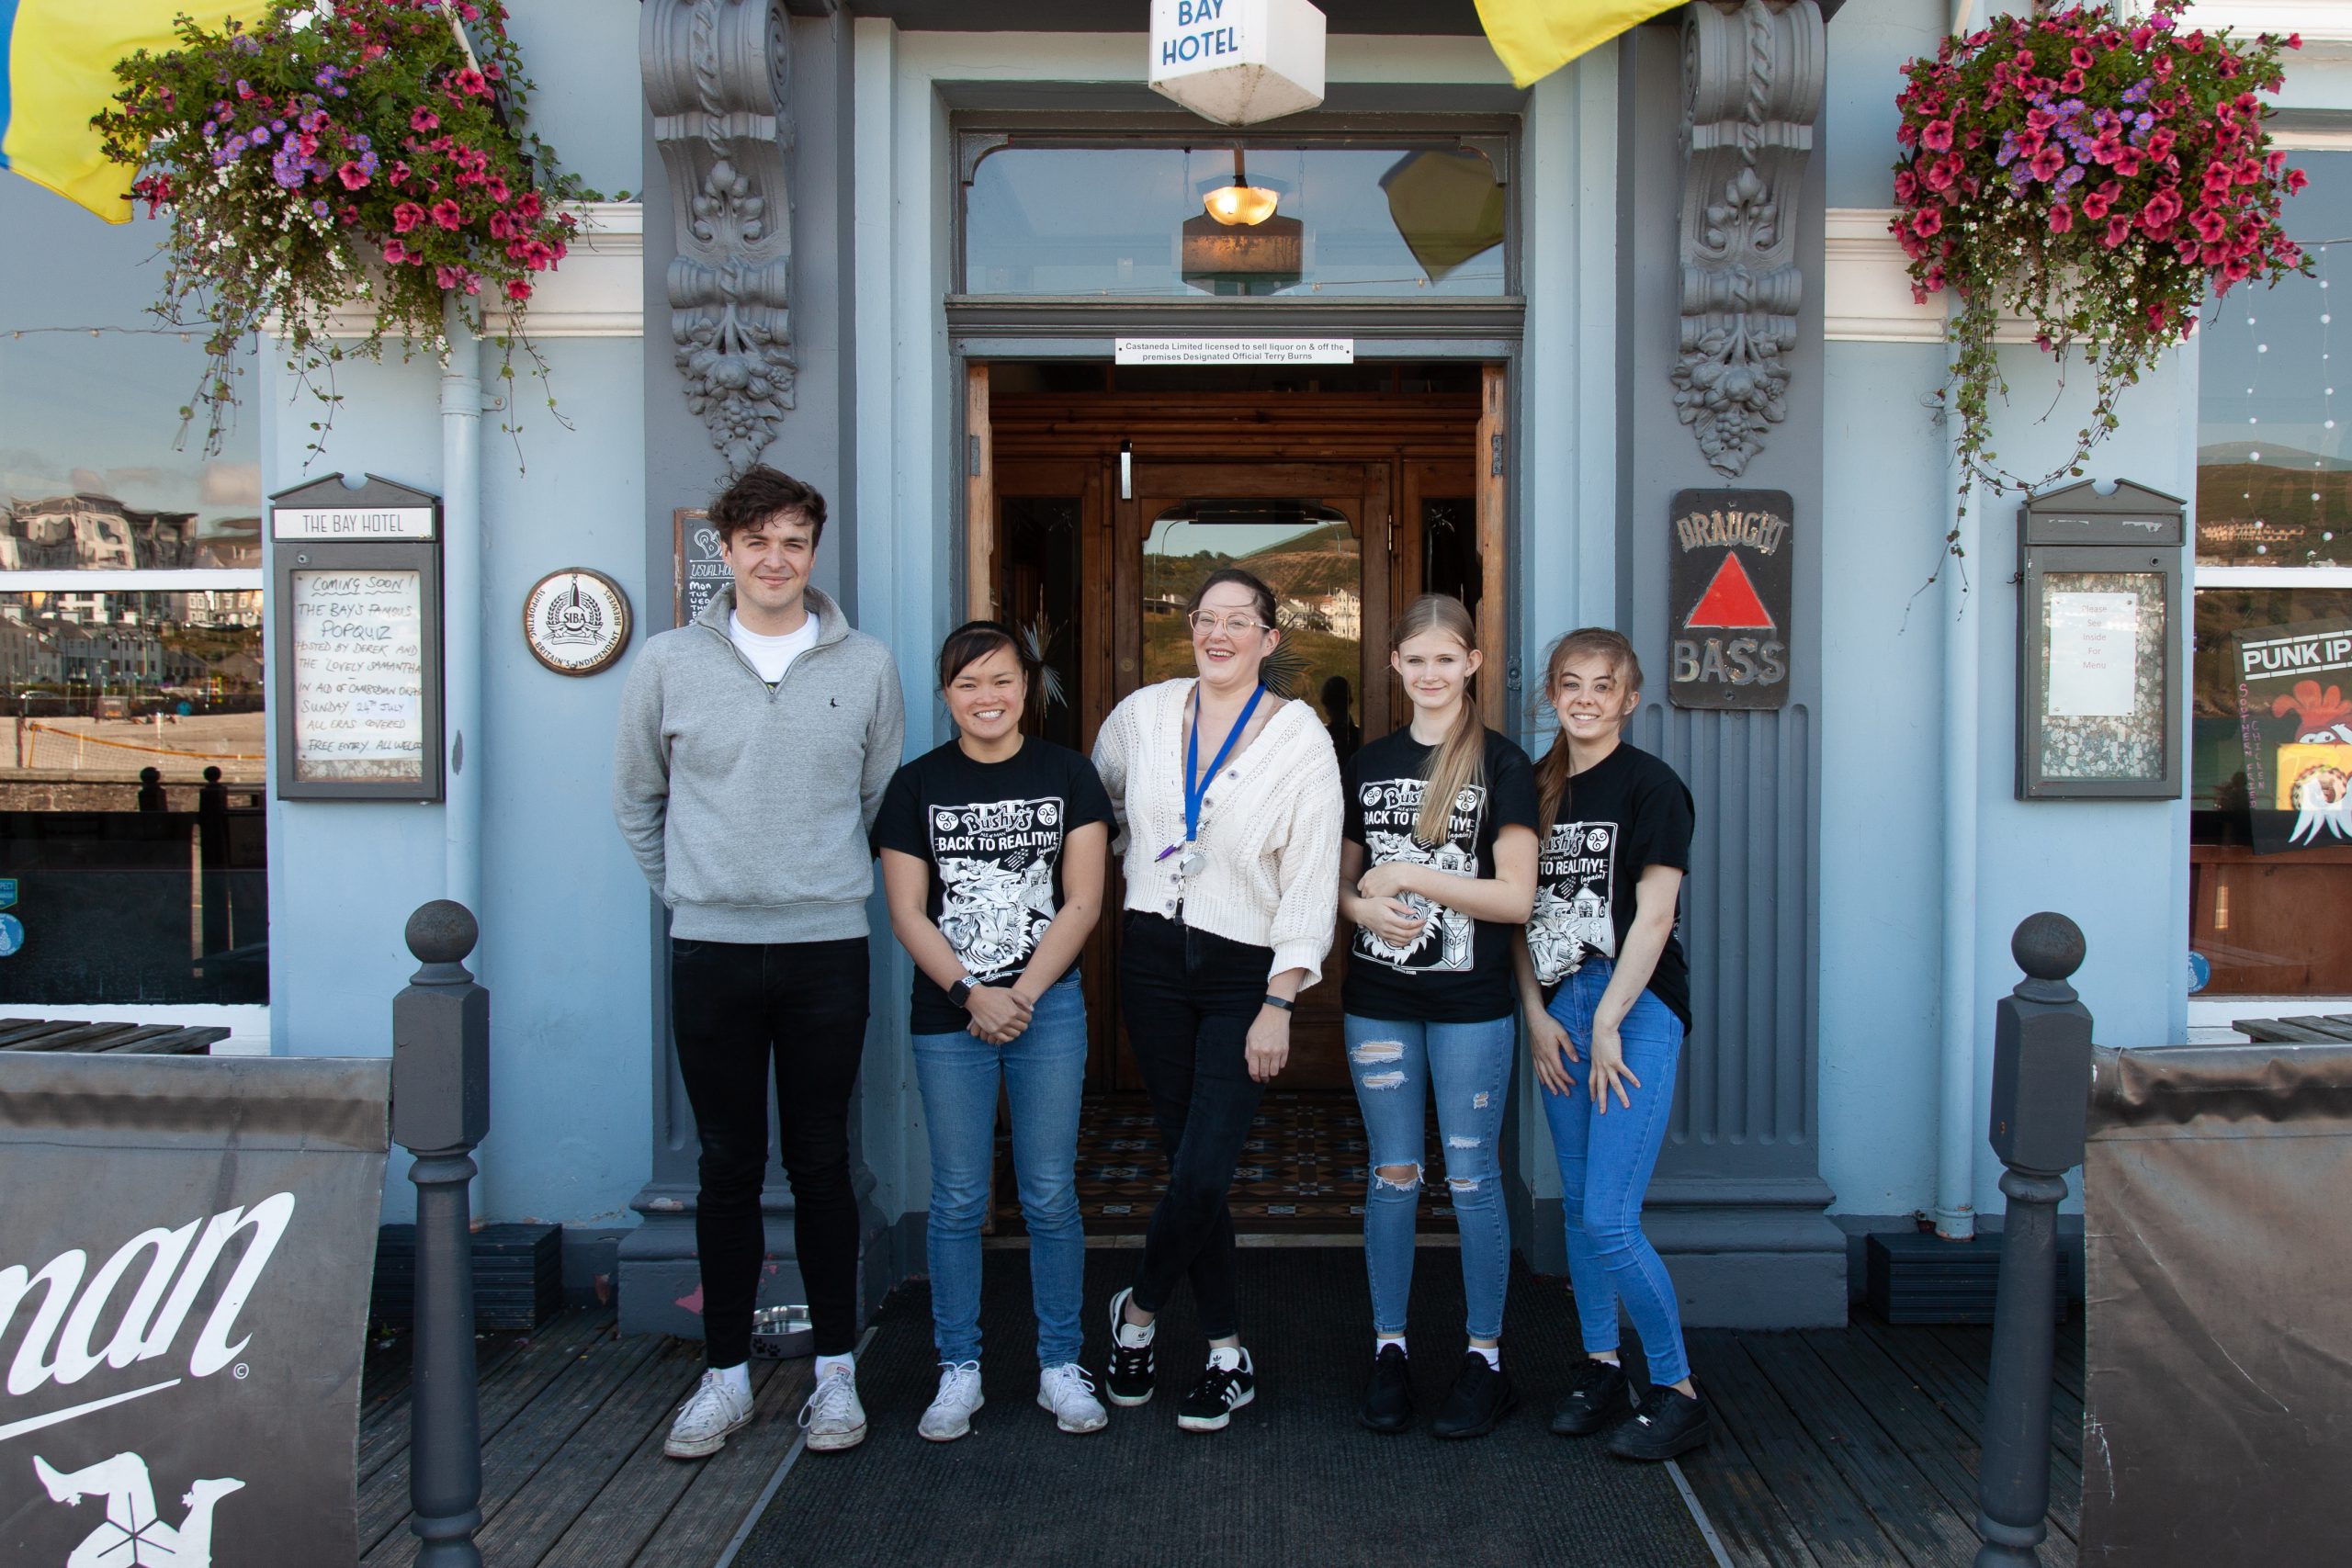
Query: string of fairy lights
point(2317, 537)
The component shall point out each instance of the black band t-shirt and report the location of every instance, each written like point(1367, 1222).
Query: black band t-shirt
point(1627, 811)
point(1459, 971)
point(993, 834)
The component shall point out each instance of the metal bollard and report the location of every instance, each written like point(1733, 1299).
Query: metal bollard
point(2042, 1085)
point(440, 1111)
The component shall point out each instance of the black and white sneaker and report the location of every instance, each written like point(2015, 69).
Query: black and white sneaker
point(1127, 1380)
point(1601, 1397)
point(1231, 1383)
point(1669, 1423)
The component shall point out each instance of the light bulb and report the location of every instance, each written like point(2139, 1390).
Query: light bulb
point(1241, 205)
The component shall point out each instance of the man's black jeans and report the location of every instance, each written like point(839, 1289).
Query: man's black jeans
point(1189, 998)
point(735, 1007)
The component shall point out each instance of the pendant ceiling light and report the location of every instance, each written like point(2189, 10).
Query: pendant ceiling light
point(1240, 204)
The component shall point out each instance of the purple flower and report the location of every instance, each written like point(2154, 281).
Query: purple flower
point(209, 129)
point(324, 78)
point(236, 145)
point(320, 208)
point(260, 134)
point(2071, 178)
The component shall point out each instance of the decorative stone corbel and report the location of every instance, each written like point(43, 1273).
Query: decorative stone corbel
point(1752, 79)
point(719, 79)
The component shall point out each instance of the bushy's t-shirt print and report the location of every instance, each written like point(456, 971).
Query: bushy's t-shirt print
point(1627, 812)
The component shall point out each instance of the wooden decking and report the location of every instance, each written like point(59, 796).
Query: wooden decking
point(572, 1419)
point(1840, 1448)
point(1859, 1446)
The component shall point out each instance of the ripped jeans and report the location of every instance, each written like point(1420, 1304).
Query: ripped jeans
point(1395, 1066)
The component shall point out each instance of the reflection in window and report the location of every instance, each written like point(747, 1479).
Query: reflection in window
point(132, 771)
point(130, 797)
point(1175, 221)
point(2274, 470)
point(1041, 564)
point(1307, 554)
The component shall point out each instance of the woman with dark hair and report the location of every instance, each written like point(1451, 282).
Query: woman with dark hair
point(1436, 870)
point(1229, 804)
point(1607, 997)
point(993, 849)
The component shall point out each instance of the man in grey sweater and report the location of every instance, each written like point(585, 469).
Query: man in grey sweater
point(755, 745)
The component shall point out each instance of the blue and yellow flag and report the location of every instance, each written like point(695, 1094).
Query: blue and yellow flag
point(57, 61)
point(1535, 38)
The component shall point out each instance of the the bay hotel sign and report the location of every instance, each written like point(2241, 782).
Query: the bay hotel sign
point(1237, 62)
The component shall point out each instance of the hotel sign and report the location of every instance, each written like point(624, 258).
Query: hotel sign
point(1237, 62)
point(1730, 585)
point(328, 509)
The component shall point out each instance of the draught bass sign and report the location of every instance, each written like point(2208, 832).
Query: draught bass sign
point(1729, 589)
point(184, 1268)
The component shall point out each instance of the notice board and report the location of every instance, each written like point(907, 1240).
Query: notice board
point(360, 699)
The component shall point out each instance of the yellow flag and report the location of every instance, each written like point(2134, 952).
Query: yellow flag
point(1535, 38)
point(57, 59)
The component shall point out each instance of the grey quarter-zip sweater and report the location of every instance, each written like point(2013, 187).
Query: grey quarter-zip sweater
point(748, 806)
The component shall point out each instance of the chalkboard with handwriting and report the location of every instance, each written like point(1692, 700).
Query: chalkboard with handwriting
point(359, 704)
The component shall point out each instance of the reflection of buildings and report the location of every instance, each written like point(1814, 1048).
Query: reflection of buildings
point(26, 657)
point(93, 533)
point(1339, 613)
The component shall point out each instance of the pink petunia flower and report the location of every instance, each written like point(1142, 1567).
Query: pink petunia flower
point(406, 215)
point(2061, 217)
point(1936, 136)
point(424, 119)
point(446, 213)
point(352, 176)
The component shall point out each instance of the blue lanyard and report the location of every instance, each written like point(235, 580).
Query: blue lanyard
point(1196, 783)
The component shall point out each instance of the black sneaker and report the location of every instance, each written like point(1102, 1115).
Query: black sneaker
point(1388, 1406)
point(1600, 1397)
point(1482, 1396)
point(1221, 1390)
point(1669, 1423)
point(1127, 1380)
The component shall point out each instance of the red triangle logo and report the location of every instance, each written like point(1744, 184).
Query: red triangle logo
point(1731, 601)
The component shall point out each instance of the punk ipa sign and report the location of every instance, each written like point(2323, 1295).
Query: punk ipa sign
point(2296, 725)
point(1729, 583)
point(183, 1272)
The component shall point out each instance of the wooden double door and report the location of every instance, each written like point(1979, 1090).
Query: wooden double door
point(1093, 517)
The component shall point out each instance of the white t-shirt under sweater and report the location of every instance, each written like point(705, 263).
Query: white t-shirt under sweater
point(1270, 828)
point(772, 656)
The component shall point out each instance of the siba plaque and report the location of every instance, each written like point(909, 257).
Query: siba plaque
point(576, 621)
point(1729, 583)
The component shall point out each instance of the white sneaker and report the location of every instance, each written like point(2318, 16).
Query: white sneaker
point(832, 1418)
point(713, 1410)
point(1069, 1392)
point(950, 1415)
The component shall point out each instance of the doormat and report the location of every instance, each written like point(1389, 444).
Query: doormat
point(1294, 1481)
point(1302, 1171)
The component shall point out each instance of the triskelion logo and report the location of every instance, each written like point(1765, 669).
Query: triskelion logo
point(133, 1535)
point(59, 1342)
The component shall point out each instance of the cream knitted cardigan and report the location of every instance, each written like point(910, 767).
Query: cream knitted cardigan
point(1270, 828)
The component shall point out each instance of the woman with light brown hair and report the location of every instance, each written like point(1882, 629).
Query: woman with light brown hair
point(1607, 997)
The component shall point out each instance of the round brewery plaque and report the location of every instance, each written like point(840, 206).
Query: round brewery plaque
point(576, 621)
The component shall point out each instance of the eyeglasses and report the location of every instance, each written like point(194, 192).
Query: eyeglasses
point(1206, 621)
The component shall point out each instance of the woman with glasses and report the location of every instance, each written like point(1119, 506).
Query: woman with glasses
point(1228, 798)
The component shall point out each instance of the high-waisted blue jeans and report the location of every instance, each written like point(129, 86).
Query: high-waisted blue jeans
point(1043, 1070)
point(1396, 1066)
point(1605, 1165)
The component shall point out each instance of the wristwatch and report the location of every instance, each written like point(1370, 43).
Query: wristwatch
point(960, 993)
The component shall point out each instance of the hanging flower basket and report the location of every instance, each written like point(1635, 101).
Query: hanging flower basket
point(340, 153)
point(2095, 178)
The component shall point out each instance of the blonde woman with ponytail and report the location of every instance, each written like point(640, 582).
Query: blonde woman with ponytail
point(1436, 867)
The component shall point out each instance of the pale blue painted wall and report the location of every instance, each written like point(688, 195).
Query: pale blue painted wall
point(2120, 869)
point(564, 946)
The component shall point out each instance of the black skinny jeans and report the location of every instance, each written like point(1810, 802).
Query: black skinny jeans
point(1189, 998)
point(735, 1007)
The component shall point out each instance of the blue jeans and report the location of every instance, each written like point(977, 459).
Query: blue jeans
point(1395, 1066)
point(1605, 1165)
point(1043, 1070)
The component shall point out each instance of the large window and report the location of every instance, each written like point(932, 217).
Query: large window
point(2274, 551)
point(132, 689)
point(1338, 217)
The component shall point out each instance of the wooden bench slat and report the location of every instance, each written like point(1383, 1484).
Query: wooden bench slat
point(30, 1030)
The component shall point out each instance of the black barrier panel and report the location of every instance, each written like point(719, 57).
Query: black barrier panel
point(184, 1268)
point(2219, 1393)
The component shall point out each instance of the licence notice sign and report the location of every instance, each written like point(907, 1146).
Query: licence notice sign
point(1236, 351)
